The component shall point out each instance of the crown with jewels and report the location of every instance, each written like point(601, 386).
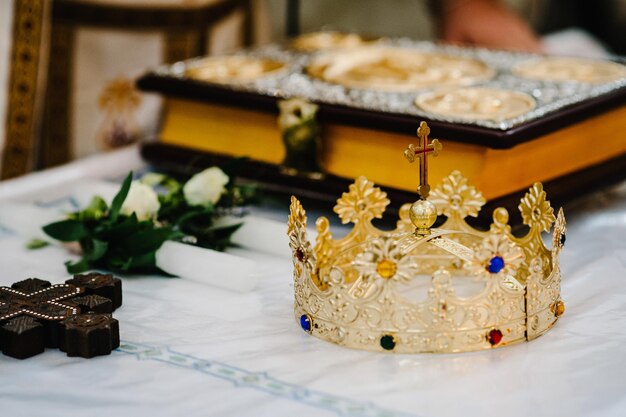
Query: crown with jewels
point(423, 289)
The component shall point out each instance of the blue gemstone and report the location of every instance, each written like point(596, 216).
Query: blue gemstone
point(496, 264)
point(305, 323)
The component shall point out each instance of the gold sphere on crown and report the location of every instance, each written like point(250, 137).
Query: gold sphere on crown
point(423, 215)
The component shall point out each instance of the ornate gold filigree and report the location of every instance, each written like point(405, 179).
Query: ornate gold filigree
point(404, 224)
point(400, 290)
point(535, 209)
point(454, 197)
point(363, 202)
point(543, 293)
point(297, 215)
point(501, 221)
point(358, 291)
point(383, 258)
point(496, 248)
point(303, 256)
point(560, 229)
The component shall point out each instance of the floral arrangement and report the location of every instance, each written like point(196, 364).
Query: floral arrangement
point(301, 137)
point(125, 234)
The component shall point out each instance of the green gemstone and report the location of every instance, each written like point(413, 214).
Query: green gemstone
point(388, 342)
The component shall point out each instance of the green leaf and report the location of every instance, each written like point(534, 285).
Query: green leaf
point(144, 241)
point(174, 197)
point(119, 263)
point(125, 226)
point(96, 210)
point(77, 267)
point(66, 230)
point(118, 200)
point(37, 244)
point(197, 217)
point(172, 186)
point(152, 178)
point(114, 241)
point(226, 231)
point(97, 250)
point(145, 262)
point(216, 238)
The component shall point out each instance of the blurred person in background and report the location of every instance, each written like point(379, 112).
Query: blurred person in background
point(495, 24)
point(574, 27)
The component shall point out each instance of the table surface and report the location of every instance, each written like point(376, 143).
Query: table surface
point(194, 350)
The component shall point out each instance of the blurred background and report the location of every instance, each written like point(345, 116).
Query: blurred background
point(67, 67)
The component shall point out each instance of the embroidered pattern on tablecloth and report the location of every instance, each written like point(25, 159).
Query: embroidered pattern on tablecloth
point(260, 381)
point(5, 231)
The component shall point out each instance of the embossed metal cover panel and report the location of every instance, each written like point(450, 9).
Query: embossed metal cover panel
point(487, 97)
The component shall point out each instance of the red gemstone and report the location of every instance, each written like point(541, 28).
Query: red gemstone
point(494, 337)
point(300, 254)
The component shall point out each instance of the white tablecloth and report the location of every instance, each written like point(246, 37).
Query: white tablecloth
point(192, 350)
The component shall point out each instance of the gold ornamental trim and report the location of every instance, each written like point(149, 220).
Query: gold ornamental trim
point(23, 83)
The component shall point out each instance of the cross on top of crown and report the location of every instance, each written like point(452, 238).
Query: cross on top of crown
point(421, 153)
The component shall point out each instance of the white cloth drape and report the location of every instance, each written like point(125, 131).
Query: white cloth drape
point(192, 350)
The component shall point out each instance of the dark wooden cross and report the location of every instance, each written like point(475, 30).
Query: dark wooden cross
point(421, 152)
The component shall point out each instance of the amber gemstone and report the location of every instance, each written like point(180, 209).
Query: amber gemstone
point(559, 308)
point(494, 337)
point(386, 268)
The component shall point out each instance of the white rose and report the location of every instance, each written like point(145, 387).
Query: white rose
point(205, 187)
point(294, 111)
point(141, 200)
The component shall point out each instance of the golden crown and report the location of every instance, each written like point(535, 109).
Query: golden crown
point(423, 289)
